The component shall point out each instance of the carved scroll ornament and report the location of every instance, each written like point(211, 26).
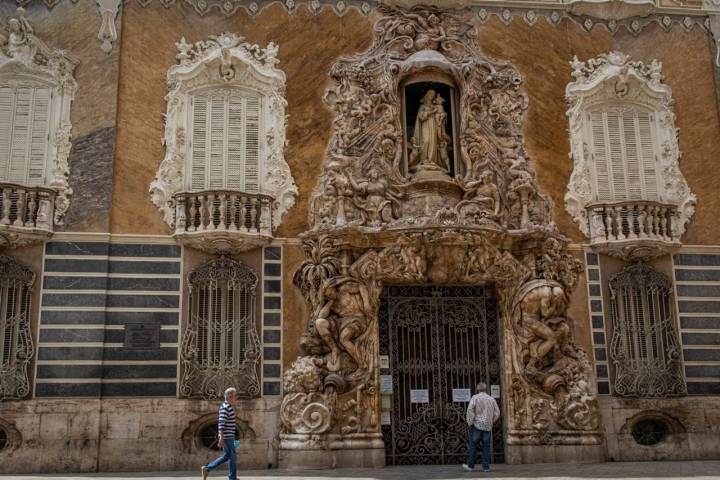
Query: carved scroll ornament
point(225, 61)
point(374, 222)
point(26, 61)
point(616, 79)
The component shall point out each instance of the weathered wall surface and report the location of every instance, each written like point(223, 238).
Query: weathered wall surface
point(74, 27)
point(86, 435)
point(310, 44)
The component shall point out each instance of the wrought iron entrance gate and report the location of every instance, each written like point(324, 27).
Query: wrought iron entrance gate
point(437, 339)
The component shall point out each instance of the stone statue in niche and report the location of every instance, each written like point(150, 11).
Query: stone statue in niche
point(341, 318)
point(429, 145)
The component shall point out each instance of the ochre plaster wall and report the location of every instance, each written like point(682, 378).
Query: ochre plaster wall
point(73, 27)
point(309, 45)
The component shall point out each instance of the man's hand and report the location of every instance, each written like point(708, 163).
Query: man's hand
point(220, 441)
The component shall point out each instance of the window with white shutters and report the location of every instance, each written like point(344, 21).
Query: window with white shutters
point(623, 154)
point(24, 130)
point(225, 141)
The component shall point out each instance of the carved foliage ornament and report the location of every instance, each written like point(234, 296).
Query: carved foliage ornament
point(375, 222)
point(613, 80)
point(364, 181)
point(225, 63)
point(25, 60)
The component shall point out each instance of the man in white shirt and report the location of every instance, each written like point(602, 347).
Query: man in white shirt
point(482, 412)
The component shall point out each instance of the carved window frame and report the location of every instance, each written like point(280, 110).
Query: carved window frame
point(225, 61)
point(16, 340)
point(645, 349)
point(613, 81)
point(211, 360)
point(41, 66)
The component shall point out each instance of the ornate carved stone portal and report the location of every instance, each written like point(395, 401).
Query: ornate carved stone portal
point(376, 220)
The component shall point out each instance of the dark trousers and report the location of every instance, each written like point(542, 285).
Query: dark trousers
point(477, 436)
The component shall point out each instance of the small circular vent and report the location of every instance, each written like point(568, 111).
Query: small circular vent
point(650, 431)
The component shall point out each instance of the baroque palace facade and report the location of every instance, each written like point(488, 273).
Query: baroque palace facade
point(353, 211)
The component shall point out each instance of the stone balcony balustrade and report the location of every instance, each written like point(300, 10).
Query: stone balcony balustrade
point(26, 215)
point(223, 221)
point(633, 229)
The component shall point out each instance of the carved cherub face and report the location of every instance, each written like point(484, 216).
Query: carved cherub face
point(429, 96)
point(433, 19)
point(14, 25)
point(486, 177)
point(373, 175)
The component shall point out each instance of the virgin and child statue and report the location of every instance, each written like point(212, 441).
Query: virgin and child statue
point(429, 145)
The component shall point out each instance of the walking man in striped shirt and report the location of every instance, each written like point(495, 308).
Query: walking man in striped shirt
point(482, 412)
point(226, 437)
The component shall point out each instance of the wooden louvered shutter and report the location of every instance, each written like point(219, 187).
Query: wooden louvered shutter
point(647, 155)
point(226, 136)
point(24, 126)
point(236, 135)
point(252, 144)
point(7, 102)
point(601, 158)
point(38, 137)
point(199, 142)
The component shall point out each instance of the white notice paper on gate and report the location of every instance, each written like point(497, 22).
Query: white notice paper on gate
point(419, 396)
point(461, 395)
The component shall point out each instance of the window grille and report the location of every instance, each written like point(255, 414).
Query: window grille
point(17, 349)
point(220, 346)
point(645, 350)
point(224, 147)
point(623, 154)
point(24, 130)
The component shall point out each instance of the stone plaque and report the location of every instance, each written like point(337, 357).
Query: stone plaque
point(461, 395)
point(141, 336)
point(419, 396)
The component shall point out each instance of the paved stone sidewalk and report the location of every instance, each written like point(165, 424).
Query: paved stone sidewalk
point(644, 470)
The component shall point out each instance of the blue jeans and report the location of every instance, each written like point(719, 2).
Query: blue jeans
point(476, 436)
point(230, 455)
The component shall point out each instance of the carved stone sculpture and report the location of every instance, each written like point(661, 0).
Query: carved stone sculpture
point(375, 223)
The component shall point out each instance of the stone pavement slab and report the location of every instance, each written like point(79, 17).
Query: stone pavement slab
point(637, 470)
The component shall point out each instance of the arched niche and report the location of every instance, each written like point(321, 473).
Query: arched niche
point(412, 90)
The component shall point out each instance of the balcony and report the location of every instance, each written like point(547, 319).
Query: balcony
point(634, 229)
point(26, 215)
point(221, 221)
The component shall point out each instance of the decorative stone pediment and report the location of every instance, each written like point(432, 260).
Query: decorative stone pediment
point(27, 61)
point(225, 61)
point(426, 180)
point(616, 82)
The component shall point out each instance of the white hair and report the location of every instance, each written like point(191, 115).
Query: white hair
point(481, 387)
point(229, 392)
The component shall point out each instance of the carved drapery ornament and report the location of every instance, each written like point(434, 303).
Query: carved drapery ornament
point(649, 226)
point(225, 61)
point(26, 61)
point(374, 223)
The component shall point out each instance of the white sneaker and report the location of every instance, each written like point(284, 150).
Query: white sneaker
point(467, 469)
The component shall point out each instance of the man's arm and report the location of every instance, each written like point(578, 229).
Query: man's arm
point(470, 416)
point(221, 425)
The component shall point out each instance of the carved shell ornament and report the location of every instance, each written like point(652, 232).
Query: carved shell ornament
point(614, 80)
point(395, 204)
point(225, 63)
